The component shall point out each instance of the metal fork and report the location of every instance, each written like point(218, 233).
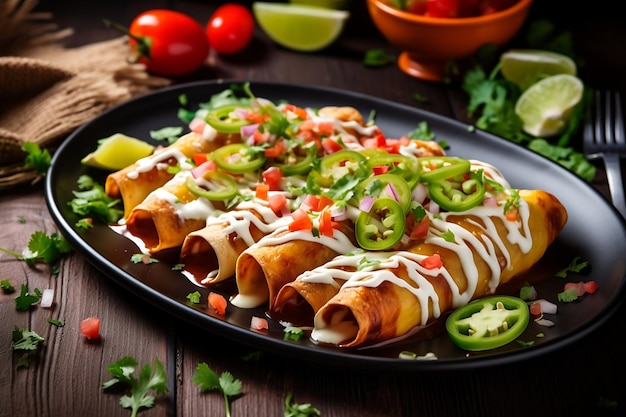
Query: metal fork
point(604, 137)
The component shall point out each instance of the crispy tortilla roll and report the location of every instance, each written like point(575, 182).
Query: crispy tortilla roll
point(169, 214)
point(210, 253)
point(404, 292)
point(264, 268)
point(133, 183)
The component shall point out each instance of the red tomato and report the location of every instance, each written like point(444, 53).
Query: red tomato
point(90, 328)
point(230, 28)
point(443, 8)
point(416, 6)
point(169, 43)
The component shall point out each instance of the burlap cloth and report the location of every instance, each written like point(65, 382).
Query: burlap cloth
point(47, 90)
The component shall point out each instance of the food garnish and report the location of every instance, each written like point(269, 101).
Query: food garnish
point(206, 379)
point(26, 342)
point(149, 381)
point(293, 409)
point(90, 328)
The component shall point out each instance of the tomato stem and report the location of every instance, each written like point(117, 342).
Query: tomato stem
point(142, 48)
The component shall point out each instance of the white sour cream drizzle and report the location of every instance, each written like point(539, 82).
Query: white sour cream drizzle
point(465, 244)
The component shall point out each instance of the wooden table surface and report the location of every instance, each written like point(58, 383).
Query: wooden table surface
point(585, 378)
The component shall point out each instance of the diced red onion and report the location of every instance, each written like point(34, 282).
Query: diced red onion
point(490, 202)
point(433, 207)
point(544, 322)
point(199, 171)
point(391, 190)
point(366, 204)
point(419, 194)
point(338, 214)
point(248, 130)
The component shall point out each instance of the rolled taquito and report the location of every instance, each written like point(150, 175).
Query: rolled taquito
point(398, 293)
point(133, 183)
point(169, 213)
point(210, 253)
point(277, 259)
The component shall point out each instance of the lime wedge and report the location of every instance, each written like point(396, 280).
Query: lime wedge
point(546, 106)
point(525, 67)
point(117, 151)
point(299, 27)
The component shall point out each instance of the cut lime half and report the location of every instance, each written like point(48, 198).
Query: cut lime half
point(117, 151)
point(299, 27)
point(525, 67)
point(546, 106)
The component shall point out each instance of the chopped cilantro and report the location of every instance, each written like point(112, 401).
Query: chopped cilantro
point(378, 58)
point(448, 236)
point(148, 380)
point(21, 219)
point(169, 134)
point(25, 300)
point(142, 258)
point(37, 158)
point(55, 322)
point(575, 266)
point(567, 296)
point(194, 297)
point(293, 333)
point(6, 286)
point(299, 410)
point(25, 342)
point(92, 200)
point(206, 379)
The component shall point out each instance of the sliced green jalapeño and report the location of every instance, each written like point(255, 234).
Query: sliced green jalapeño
point(382, 227)
point(437, 168)
point(398, 164)
point(458, 196)
point(222, 186)
point(226, 120)
point(488, 323)
point(299, 164)
point(238, 158)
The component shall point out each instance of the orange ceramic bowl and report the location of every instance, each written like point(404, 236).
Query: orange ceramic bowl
point(427, 43)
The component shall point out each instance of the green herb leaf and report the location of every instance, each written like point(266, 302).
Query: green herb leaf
point(6, 286)
point(299, 410)
point(37, 158)
point(206, 379)
point(148, 381)
point(25, 300)
point(378, 58)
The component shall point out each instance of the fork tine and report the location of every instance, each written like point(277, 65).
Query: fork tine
point(619, 120)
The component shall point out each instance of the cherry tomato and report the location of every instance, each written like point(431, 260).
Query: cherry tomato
point(169, 43)
point(230, 28)
point(443, 8)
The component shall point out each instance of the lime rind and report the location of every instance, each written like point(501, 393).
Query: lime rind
point(546, 106)
point(299, 27)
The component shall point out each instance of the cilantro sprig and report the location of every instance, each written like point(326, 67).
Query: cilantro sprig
point(206, 379)
point(140, 388)
point(27, 343)
point(42, 248)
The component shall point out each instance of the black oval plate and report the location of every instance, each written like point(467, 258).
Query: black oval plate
point(595, 232)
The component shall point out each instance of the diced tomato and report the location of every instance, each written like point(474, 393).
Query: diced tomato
point(199, 158)
point(535, 309)
point(591, 286)
point(277, 202)
point(324, 202)
point(326, 224)
point(331, 145)
point(301, 221)
point(277, 150)
point(262, 190)
point(272, 177)
point(256, 118)
point(298, 111)
point(443, 8)
point(326, 128)
point(90, 328)
point(376, 142)
point(432, 262)
point(218, 303)
point(380, 169)
point(260, 137)
point(420, 231)
point(511, 215)
point(579, 287)
point(258, 323)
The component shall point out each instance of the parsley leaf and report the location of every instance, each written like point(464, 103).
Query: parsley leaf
point(148, 380)
point(299, 410)
point(6, 286)
point(206, 379)
point(92, 200)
